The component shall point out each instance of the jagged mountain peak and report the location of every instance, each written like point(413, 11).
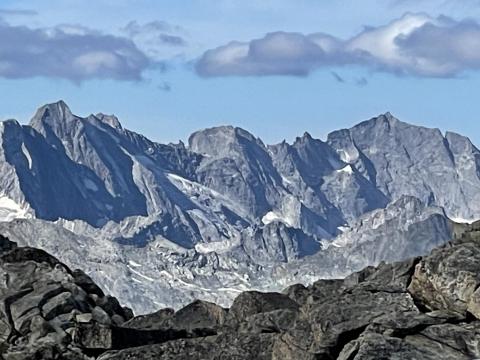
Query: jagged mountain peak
point(219, 140)
point(59, 117)
point(111, 120)
point(225, 130)
point(55, 111)
point(387, 125)
point(308, 140)
point(307, 136)
point(60, 104)
point(390, 117)
point(385, 121)
point(12, 122)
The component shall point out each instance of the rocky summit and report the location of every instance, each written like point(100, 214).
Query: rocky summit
point(423, 308)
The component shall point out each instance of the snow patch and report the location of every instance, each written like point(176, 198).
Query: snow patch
point(348, 157)
point(461, 220)
point(286, 181)
point(134, 264)
point(27, 155)
point(10, 210)
point(347, 170)
point(192, 188)
point(343, 228)
point(140, 274)
point(272, 216)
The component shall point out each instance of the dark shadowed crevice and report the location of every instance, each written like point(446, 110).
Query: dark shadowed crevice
point(411, 272)
point(420, 306)
point(344, 339)
point(403, 333)
point(7, 304)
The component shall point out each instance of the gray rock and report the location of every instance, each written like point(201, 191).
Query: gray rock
point(156, 320)
point(99, 315)
point(446, 341)
point(252, 302)
point(41, 304)
point(228, 346)
point(199, 315)
point(276, 321)
point(449, 278)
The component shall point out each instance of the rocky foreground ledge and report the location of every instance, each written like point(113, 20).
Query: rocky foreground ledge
point(423, 308)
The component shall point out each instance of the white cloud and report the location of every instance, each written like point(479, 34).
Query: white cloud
point(67, 51)
point(415, 44)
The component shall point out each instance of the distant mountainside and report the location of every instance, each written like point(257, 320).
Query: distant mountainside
point(226, 212)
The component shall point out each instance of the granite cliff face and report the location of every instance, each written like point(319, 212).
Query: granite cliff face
point(226, 212)
point(423, 308)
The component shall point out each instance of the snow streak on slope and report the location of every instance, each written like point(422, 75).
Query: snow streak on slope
point(10, 210)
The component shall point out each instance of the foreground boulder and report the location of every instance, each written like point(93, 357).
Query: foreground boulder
point(423, 308)
point(43, 304)
point(450, 278)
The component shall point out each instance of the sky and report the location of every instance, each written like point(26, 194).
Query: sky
point(277, 68)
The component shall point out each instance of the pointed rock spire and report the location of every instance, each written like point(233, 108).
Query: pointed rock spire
point(111, 120)
point(53, 113)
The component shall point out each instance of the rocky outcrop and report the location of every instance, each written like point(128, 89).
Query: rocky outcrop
point(43, 305)
point(48, 311)
point(450, 278)
point(422, 308)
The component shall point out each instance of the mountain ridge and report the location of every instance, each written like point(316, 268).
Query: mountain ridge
point(226, 212)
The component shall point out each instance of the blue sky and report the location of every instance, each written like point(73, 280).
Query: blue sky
point(172, 70)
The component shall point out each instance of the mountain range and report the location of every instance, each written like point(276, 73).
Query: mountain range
point(159, 225)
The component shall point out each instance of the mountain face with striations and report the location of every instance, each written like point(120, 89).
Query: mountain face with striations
point(161, 225)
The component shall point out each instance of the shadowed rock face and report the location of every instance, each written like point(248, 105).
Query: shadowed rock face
point(423, 308)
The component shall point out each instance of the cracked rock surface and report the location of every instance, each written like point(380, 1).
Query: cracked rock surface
point(422, 308)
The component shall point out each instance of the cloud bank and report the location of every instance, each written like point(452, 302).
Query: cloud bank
point(70, 52)
point(416, 45)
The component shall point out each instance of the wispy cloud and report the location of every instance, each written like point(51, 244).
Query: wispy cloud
point(17, 12)
point(165, 86)
point(337, 77)
point(416, 45)
point(158, 39)
point(361, 82)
